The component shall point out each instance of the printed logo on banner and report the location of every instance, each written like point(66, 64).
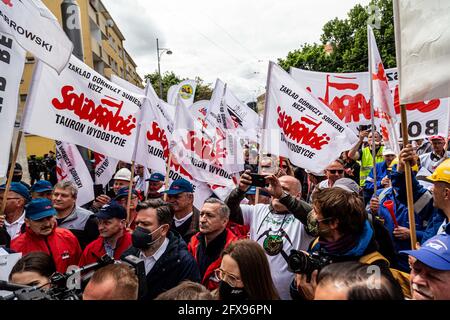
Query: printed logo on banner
point(8, 3)
point(99, 115)
point(186, 91)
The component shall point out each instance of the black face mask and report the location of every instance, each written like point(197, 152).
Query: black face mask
point(228, 293)
point(142, 239)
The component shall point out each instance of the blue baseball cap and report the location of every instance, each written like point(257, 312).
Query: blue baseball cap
point(179, 186)
point(18, 188)
point(123, 192)
point(41, 186)
point(435, 252)
point(156, 177)
point(112, 210)
point(39, 208)
point(252, 191)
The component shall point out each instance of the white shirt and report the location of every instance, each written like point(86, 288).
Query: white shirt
point(150, 261)
point(263, 223)
point(13, 229)
point(179, 222)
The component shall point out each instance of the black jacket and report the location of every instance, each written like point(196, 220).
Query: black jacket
point(175, 265)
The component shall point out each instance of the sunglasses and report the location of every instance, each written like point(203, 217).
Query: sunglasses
point(336, 171)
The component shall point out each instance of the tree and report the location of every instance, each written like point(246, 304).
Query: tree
point(203, 91)
point(347, 40)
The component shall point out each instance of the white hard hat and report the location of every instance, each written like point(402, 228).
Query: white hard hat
point(123, 174)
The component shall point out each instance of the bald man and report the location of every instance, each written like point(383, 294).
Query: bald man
point(274, 225)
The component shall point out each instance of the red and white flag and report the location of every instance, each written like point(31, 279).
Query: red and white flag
point(12, 61)
point(36, 30)
point(205, 156)
point(70, 166)
point(105, 168)
point(383, 102)
point(299, 126)
point(82, 107)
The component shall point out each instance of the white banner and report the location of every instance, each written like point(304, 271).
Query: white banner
point(127, 85)
point(105, 168)
point(70, 166)
point(347, 95)
point(199, 111)
point(206, 157)
point(12, 60)
point(36, 30)
point(156, 127)
point(300, 127)
point(82, 107)
point(182, 95)
point(422, 39)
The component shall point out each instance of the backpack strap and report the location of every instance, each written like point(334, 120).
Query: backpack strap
point(372, 257)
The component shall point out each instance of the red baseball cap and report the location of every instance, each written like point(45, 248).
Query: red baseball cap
point(436, 137)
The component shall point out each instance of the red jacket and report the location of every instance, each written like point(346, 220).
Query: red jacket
point(61, 244)
point(209, 279)
point(95, 250)
point(241, 231)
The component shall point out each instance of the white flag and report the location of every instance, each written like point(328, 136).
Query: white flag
point(70, 166)
point(383, 102)
point(155, 131)
point(206, 157)
point(36, 30)
point(105, 168)
point(300, 127)
point(82, 107)
point(182, 94)
point(12, 60)
point(422, 39)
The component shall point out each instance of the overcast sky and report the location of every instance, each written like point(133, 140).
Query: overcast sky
point(232, 40)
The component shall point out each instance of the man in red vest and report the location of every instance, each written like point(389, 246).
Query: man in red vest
point(213, 237)
point(114, 239)
point(42, 234)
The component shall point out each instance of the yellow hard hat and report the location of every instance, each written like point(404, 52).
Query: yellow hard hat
point(414, 168)
point(442, 172)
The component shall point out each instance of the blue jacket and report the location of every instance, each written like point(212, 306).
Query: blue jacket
point(428, 218)
point(382, 171)
point(175, 265)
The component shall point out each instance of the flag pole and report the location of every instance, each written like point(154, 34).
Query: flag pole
point(372, 112)
point(408, 177)
point(130, 187)
point(11, 172)
point(166, 178)
point(260, 151)
point(404, 128)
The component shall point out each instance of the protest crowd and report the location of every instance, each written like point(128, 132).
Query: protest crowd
point(299, 205)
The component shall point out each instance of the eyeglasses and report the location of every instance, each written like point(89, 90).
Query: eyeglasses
point(336, 171)
point(232, 280)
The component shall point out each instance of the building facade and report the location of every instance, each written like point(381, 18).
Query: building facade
point(103, 50)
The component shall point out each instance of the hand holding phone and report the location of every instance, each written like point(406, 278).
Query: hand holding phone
point(258, 180)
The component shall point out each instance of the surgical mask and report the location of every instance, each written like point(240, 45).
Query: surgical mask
point(228, 293)
point(142, 238)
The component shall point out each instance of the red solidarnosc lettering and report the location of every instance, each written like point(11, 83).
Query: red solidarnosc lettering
point(159, 135)
point(301, 132)
point(98, 158)
point(99, 115)
point(203, 111)
point(204, 148)
point(179, 168)
point(347, 107)
point(8, 3)
point(420, 106)
point(60, 173)
point(381, 74)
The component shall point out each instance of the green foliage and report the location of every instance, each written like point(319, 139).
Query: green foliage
point(203, 91)
point(348, 38)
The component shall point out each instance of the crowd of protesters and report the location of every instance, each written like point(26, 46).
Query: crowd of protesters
point(306, 235)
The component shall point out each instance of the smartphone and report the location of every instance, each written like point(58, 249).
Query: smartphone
point(258, 180)
point(98, 190)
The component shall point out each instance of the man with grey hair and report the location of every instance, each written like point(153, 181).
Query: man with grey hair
point(79, 221)
point(213, 237)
